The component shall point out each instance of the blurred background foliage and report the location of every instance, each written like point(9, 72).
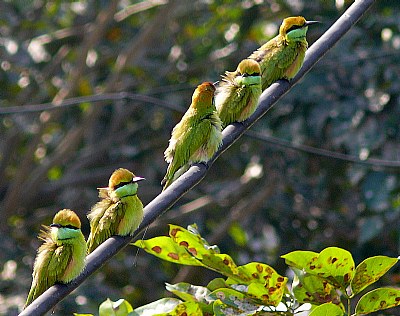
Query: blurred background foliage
point(259, 200)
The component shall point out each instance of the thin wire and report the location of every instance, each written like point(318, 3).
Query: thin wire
point(373, 162)
point(33, 108)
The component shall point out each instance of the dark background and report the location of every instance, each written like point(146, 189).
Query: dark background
point(259, 200)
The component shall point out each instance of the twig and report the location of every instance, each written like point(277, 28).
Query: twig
point(197, 172)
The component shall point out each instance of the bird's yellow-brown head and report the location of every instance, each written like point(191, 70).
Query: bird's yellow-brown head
point(66, 227)
point(66, 218)
point(295, 28)
point(248, 73)
point(249, 67)
point(203, 95)
point(123, 183)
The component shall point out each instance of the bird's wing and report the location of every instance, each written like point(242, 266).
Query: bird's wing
point(104, 220)
point(188, 142)
point(50, 265)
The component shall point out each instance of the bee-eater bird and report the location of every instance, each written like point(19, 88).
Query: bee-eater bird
point(61, 258)
point(283, 56)
point(119, 212)
point(237, 95)
point(196, 137)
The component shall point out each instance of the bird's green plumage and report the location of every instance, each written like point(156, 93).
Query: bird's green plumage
point(119, 212)
point(237, 95)
point(283, 56)
point(196, 137)
point(61, 258)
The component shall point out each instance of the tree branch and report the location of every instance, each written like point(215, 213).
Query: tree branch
point(197, 172)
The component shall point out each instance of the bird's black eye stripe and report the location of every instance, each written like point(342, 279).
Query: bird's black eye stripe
point(70, 227)
point(294, 27)
point(254, 74)
point(65, 226)
point(121, 184)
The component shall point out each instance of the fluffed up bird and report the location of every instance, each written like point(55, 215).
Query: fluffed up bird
point(237, 95)
point(283, 56)
point(61, 258)
point(119, 212)
point(196, 137)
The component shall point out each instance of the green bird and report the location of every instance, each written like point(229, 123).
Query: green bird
point(61, 258)
point(283, 56)
point(119, 212)
point(196, 137)
point(237, 95)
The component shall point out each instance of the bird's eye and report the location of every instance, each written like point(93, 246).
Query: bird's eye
point(55, 225)
point(121, 184)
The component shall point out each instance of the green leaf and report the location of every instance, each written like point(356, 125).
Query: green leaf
point(163, 305)
point(333, 264)
point(188, 292)
point(216, 283)
point(184, 309)
point(192, 241)
point(238, 234)
point(299, 259)
point(327, 309)
point(308, 288)
point(165, 248)
point(233, 301)
point(378, 299)
point(371, 270)
point(118, 308)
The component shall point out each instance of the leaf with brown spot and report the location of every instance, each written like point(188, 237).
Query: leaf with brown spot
point(192, 241)
point(232, 303)
point(334, 264)
point(309, 288)
point(264, 283)
point(165, 248)
point(369, 271)
point(378, 299)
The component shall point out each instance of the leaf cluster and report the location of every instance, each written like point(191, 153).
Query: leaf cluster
point(325, 283)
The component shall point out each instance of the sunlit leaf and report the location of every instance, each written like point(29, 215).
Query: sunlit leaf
point(165, 248)
point(192, 241)
point(378, 299)
point(327, 309)
point(264, 283)
point(371, 270)
point(118, 308)
point(221, 263)
point(188, 292)
point(184, 309)
point(299, 258)
point(163, 305)
point(333, 264)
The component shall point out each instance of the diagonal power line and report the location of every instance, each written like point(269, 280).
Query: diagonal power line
point(371, 162)
point(166, 199)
